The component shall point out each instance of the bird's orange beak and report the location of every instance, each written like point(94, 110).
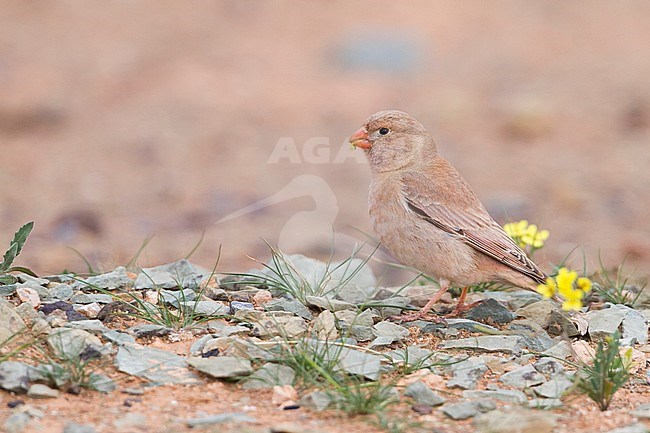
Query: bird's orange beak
point(360, 139)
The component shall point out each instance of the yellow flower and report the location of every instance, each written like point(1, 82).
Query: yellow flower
point(548, 289)
point(572, 305)
point(516, 230)
point(534, 237)
point(584, 284)
point(564, 280)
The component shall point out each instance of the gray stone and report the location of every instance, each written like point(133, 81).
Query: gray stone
point(270, 375)
point(523, 377)
point(39, 390)
point(227, 331)
point(467, 373)
point(149, 330)
point(89, 298)
point(33, 281)
point(197, 347)
point(413, 356)
point(219, 419)
point(325, 326)
point(422, 394)
point(291, 305)
point(380, 342)
point(347, 318)
point(559, 323)
point(505, 395)
point(284, 326)
point(515, 421)
point(315, 400)
point(177, 297)
point(470, 325)
point(156, 365)
point(10, 322)
point(14, 376)
point(603, 323)
point(642, 411)
point(330, 304)
point(514, 299)
point(354, 295)
point(102, 383)
point(554, 388)
point(205, 308)
point(68, 343)
point(91, 325)
point(222, 367)
point(328, 279)
point(391, 330)
point(534, 336)
point(61, 292)
point(538, 311)
point(17, 422)
point(115, 279)
point(490, 311)
point(238, 305)
point(545, 403)
point(560, 350)
point(180, 275)
point(118, 337)
point(359, 333)
point(8, 290)
point(352, 361)
point(467, 409)
point(488, 343)
point(549, 366)
point(73, 427)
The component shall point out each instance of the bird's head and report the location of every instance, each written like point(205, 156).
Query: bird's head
point(392, 140)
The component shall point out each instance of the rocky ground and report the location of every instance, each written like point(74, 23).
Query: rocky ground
point(175, 348)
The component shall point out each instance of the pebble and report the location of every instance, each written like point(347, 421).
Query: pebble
point(222, 367)
point(466, 374)
point(515, 421)
point(38, 390)
point(523, 377)
point(490, 311)
point(219, 419)
point(467, 409)
point(488, 343)
point(422, 394)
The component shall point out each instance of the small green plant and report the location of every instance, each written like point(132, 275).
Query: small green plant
point(15, 247)
point(74, 372)
point(283, 275)
point(615, 288)
point(608, 372)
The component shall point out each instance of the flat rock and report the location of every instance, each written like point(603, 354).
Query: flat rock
point(516, 421)
point(222, 367)
point(14, 376)
point(470, 325)
point(466, 374)
point(115, 279)
point(89, 298)
point(118, 337)
point(68, 343)
point(149, 330)
point(554, 388)
point(156, 365)
point(488, 343)
point(490, 311)
point(642, 411)
point(315, 400)
point(422, 394)
point(39, 390)
point(270, 375)
point(602, 323)
point(291, 305)
point(325, 326)
point(467, 409)
point(561, 350)
point(534, 336)
point(330, 304)
point(632, 428)
point(538, 311)
point(284, 326)
point(559, 323)
point(545, 403)
point(504, 395)
point(91, 325)
point(205, 308)
point(61, 292)
point(523, 377)
point(10, 322)
point(548, 366)
point(391, 330)
point(180, 275)
point(352, 361)
point(413, 356)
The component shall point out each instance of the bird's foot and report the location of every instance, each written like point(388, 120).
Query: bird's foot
point(461, 308)
point(412, 317)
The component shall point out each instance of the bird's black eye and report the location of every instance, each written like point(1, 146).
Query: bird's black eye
point(383, 131)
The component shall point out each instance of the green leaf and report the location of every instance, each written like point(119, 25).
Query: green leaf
point(20, 237)
point(22, 269)
point(8, 258)
point(7, 279)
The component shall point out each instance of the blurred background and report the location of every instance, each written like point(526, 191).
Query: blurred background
point(125, 120)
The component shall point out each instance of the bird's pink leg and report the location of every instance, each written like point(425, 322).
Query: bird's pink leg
point(444, 286)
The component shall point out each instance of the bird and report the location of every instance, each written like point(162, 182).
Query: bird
point(427, 215)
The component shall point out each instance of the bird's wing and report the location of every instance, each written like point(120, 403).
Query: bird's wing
point(466, 218)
